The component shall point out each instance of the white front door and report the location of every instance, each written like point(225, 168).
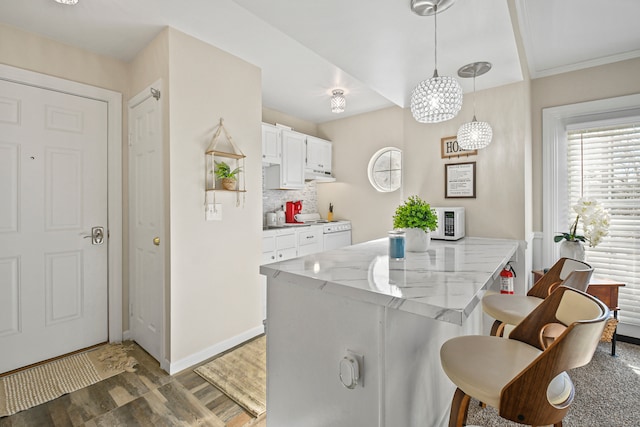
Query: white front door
point(146, 242)
point(53, 188)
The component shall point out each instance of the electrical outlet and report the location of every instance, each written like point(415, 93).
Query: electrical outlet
point(213, 212)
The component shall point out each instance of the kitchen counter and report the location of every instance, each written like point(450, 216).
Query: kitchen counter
point(444, 283)
point(284, 226)
point(327, 310)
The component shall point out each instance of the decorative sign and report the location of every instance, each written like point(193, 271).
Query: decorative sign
point(449, 148)
point(460, 180)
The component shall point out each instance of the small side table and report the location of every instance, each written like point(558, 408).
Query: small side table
point(605, 290)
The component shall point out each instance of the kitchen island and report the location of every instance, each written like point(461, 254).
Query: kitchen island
point(352, 313)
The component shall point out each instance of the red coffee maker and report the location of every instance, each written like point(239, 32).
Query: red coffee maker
point(292, 209)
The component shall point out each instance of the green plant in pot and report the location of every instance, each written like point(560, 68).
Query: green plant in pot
point(226, 175)
point(418, 220)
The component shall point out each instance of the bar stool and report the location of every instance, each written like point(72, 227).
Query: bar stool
point(522, 378)
point(511, 309)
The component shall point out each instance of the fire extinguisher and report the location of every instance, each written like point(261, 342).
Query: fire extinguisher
point(506, 279)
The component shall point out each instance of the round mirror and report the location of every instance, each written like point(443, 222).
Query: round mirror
point(385, 169)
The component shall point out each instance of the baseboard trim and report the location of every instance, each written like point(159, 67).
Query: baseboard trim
point(194, 359)
point(630, 340)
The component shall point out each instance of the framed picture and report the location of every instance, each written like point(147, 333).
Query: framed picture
point(460, 180)
point(449, 148)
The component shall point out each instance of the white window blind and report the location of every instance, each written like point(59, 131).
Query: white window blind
point(604, 164)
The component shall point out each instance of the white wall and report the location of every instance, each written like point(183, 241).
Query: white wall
point(499, 207)
point(215, 295)
point(355, 139)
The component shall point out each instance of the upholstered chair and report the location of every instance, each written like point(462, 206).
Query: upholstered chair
point(523, 379)
point(511, 309)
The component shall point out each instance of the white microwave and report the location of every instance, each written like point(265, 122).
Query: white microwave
point(450, 224)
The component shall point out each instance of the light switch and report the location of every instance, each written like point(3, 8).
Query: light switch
point(213, 212)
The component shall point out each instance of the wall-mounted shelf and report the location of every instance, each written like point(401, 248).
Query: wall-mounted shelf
point(235, 159)
point(210, 160)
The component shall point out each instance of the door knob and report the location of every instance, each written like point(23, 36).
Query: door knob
point(97, 236)
point(156, 241)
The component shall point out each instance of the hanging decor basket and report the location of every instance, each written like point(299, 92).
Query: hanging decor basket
point(229, 184)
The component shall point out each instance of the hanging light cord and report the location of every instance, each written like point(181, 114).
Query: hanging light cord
point(435, 30)
point(474, 95)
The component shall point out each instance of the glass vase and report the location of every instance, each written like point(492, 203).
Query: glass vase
point(572, 249)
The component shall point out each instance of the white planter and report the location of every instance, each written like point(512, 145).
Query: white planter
point(572, 249)
point(417, 240)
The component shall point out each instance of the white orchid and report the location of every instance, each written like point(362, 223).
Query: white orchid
point(595, 223)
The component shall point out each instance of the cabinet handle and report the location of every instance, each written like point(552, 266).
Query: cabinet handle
point(310, 237)
point(280, 255)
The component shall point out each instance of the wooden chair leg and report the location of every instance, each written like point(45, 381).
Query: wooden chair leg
point(459, 408)
point(497, 329)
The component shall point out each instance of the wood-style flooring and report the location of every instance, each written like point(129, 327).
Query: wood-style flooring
point(147, 397)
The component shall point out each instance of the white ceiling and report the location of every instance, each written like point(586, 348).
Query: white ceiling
point(376, 50)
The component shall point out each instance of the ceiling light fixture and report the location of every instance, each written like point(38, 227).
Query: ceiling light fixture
point(474, 134)
point(338, 102)
point(69, 2)
point(439, 98)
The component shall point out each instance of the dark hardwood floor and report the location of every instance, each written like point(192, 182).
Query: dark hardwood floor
point(147, 397)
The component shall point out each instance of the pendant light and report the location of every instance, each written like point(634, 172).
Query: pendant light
point(474, 134)
point(439, 98)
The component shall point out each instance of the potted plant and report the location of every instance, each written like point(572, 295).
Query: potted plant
point(418, 220)
point(227, 176)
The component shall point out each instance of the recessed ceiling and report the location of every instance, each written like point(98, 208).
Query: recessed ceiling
point(376, 50)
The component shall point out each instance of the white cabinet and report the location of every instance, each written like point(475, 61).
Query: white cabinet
point(289, 174)
point(309, 240)
point(271, 146)
point(318, 158)
point(278, 245)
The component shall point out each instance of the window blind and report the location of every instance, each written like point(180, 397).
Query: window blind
point(604, 164)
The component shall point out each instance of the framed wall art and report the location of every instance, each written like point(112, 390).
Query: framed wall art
point(449, 148)
point(460, 180)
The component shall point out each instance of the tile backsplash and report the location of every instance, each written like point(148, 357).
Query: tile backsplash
point(273, 199)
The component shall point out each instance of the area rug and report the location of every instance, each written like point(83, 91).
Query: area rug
point(607, 392)
point(42, 383)
point(241, 374)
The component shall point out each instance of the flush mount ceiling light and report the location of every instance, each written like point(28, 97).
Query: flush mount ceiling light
point(475, 134)
point(69, 2)
point(439, 98)
point(338, 102)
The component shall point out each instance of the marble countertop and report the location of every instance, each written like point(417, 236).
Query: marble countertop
point(446, 283)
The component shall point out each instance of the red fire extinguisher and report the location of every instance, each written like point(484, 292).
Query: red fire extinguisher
point(506, 280)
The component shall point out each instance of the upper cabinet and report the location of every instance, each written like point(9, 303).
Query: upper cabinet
point(318, 155)
point(289, 174)
point(271, 146)
point(292, 157)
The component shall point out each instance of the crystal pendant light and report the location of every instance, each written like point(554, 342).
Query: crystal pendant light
point(474, 134)
point(338, 102)
point(439, 98)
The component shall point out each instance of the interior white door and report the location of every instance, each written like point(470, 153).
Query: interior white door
point(146, 243)
point(53, 187)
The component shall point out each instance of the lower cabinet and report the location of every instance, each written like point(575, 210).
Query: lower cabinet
point(278, 245)
point(309, 240)
point(283, 244)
